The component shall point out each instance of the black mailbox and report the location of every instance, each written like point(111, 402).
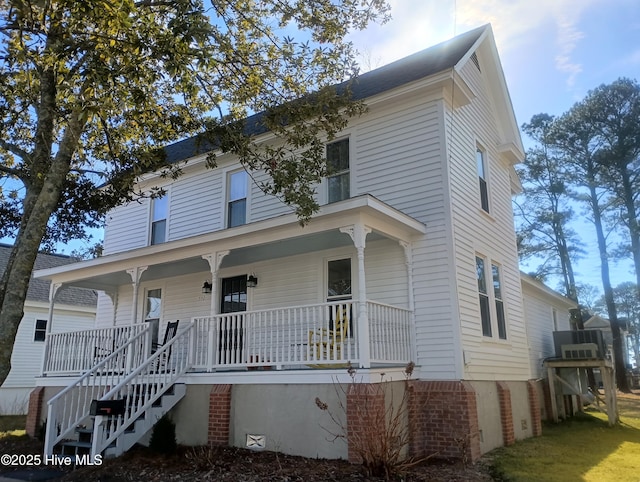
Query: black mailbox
point(107, 407)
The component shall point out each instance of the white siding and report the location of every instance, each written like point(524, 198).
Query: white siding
point(538, 309)
point(491, 235)
point(26, 359)
point(127, 227)
point(400, 160)
point(196, 205)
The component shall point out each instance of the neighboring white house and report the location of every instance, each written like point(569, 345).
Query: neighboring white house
point(546, 311)
point(75, 310)
point(412, 257)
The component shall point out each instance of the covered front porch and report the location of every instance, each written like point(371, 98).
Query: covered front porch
point(338, 290)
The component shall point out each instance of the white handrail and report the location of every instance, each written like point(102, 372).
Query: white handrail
point(78, 351)
point(143, 386)
point(67, 409)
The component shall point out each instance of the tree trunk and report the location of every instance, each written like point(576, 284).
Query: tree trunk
point(40, 202)
point(618, 348)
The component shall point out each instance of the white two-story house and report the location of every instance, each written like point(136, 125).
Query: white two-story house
point(411, 257)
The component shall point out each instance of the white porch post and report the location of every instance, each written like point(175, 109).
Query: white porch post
point(358, 233)
point(408, 260)
point(214, 260)
point(113, 296)
point(136, 274)
point(53, 291)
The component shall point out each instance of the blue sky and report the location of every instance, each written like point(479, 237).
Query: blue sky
point(552, 51)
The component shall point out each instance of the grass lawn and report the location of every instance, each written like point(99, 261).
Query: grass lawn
point(583, 448)
point(12, 423)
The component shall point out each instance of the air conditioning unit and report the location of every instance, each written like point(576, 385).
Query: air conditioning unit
point(580, 351)
point(579, 337)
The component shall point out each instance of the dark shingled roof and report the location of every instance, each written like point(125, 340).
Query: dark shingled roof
point(39, 289)
point(409, 69)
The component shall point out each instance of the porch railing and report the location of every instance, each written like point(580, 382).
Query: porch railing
point(278, 338)
point(77, 351)
point(390, 333)
point(301, 336)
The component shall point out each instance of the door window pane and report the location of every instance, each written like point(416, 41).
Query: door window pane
point(339, 279)
point(234, 294)
point(153, 312)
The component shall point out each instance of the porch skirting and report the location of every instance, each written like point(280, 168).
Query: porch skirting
point(449, 419)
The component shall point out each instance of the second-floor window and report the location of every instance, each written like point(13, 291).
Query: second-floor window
point(237, 199)
point(338, 167)
point(159, 211)
point(490, 292)
point(481, 163)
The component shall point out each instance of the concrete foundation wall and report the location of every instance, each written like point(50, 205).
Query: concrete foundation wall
point(521, 408)
point(489, 421)
point(289, 419)
point(191, 416)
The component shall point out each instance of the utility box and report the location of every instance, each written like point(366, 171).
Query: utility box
point(570, 339)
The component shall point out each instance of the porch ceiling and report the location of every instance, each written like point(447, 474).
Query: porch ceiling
point(291, 247)
point(259, 241)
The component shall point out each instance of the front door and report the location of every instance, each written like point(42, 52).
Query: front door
point(233, 300)
point(152, 313)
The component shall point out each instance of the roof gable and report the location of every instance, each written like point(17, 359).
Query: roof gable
point(440, 57)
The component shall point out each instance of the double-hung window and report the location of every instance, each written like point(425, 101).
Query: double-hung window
point(481, 163)
point(237, 199)
point(40, 332)
point(489, 280)
point(338, 169)
point(159, 211)
point(497, 298)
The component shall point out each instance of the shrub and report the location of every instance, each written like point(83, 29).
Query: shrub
point(382, 446)
point(163, 437)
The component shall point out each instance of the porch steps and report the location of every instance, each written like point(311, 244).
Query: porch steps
point(133, 433)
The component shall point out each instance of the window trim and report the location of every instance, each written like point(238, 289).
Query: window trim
point(497, 328)
point(483, 178)
point(348, 172)
point(227, 201)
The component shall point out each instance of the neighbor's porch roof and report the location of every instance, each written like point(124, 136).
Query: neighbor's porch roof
point(268, 239)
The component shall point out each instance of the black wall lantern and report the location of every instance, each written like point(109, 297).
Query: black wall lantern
point(206, 288)
point(252, 281)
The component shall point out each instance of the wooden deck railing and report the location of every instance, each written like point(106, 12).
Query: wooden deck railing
point(280, 338)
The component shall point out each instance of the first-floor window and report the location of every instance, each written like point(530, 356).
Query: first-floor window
point(40, 332)
point(490, 298)
point(485, 310)
point(497, 297)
